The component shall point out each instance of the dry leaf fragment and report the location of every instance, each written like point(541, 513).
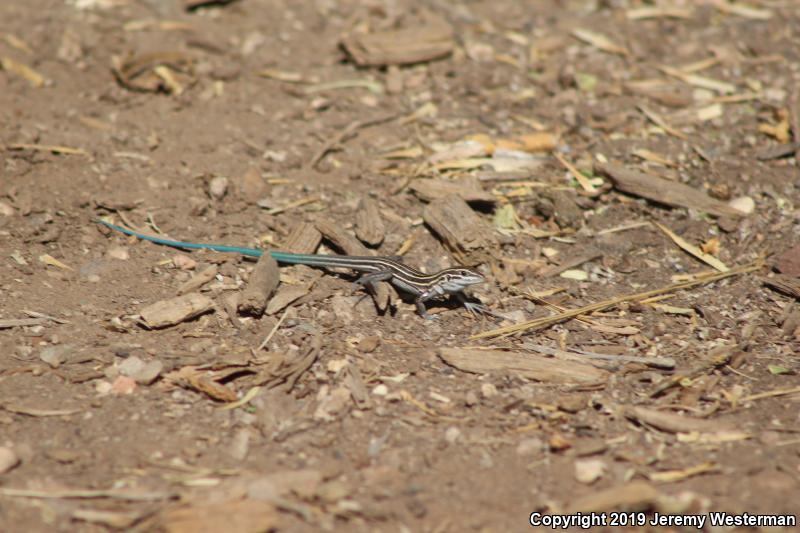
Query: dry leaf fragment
point(692, 249)
point(142, 72)
point(742, 10)
point(48, 259)
point(699, 81)
point(672, 476)
point(20, 69)
point(48, 148)
point(711, 246)
point(653, 157)
point(286, 76)
point(17, 43)
point(650, 12)
point(600, 41)
point(192, 378)
point(780, 131)
point(533, 142)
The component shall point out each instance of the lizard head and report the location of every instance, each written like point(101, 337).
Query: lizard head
point(457, 279)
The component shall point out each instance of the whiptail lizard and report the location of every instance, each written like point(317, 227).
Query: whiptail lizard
point(423, 286)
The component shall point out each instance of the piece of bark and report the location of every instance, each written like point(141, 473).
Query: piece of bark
point(463, 232)
point(175, 310)
point(432, 189)
point(432, 39)
point(263, 282)
point(304, 239)
point(788, 262)
point(355, 383)
point(285, 296)
point(794, 118)
point(351, 246)
point(521, 364)
point(231, 304)
point(779, 151)
point(634, 496)
point(369, 224)
point(672, 423)
point(665, 192)
point(198, 280)
point(784, 284)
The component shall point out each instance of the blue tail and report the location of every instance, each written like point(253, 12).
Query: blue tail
point(252, 252)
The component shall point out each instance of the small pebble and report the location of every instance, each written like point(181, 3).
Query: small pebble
point(369, 344)
point(184, 262)
point(5, 209)
point(55, 356)
point(471, 399)
point(530, 446)
point(452, 434)
point(589, 470)
point(380, 390)
point(8, 459)
point(218, 187)
point(119, 252)
point(488, 390)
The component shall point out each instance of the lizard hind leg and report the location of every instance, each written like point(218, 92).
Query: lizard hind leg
point(369, 280)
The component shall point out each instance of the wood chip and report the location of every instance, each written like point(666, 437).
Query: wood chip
point(351, 246)
point(304, 239)
point(176, 310)
point(672, 423)
point(113, 519)
point(198, 280)
point(433, 39)
point(21, 322)
point(285, 296)
point(263, 281)
point(784, 284)
point(662, 191)
point(240, 516)
point(369, 223)
point(522, 364)
point(20, 69)
point(634, 495)
point(462, 231)
point(432, 189)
